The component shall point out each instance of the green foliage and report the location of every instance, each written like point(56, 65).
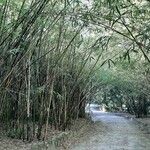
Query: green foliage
point(15, 133)
point(56, 55)
point(2, 1)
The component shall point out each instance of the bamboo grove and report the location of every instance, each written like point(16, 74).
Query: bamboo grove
point(49, 61)
point(41, 84)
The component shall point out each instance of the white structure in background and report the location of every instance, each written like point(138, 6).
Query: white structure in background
point(92, 110)
point(94, 107)
point(90, 107)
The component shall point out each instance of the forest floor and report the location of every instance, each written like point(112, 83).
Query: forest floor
point(108, 131)
point(56, 139)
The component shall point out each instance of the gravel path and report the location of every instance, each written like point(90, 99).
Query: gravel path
point(119, 134)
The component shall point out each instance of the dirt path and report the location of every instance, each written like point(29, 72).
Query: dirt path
point(119, 134)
